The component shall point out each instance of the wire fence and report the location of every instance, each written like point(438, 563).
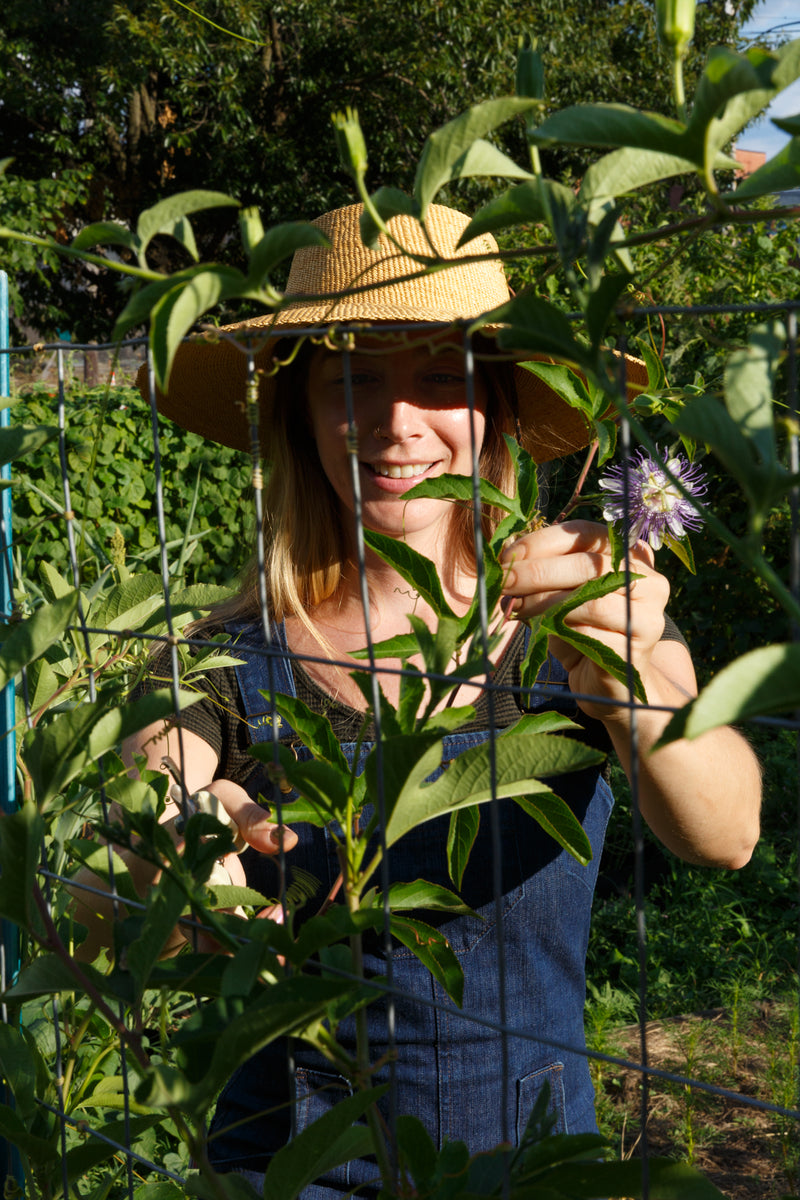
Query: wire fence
point(141, 1155)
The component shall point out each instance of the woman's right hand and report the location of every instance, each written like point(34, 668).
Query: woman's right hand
point(197, 762)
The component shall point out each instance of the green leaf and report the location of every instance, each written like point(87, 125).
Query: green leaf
point(601, 304)
point(762, 683)
point(222, 1034)
point(105, 233)
point(482, 158)
point(165, 216)
point(460, 487)
point(313, 729)
point(402, 646)
point(612, 125)
point(539, 326)
point(165, 903)
point(18, 1069)
point(780, 174)
point(323, 786)
point(182, 232)
point(389, 202)
point(750, 386)
point(49, 975)
point(20, 849)
point(251, 228)
point(328, 1142)
point(526, 204)
point(421, 894)
point(726, 75)
point(682, 549)
point(557, 819)
point(464, 825)
point(743, 107)
point(29, 639)
point(18, 441)
point(597, 652)
point(128, 604)
point(96, 859)
point(704, 419)
point(447, 145)
point(520, 762)
point(433, 950)
point(619, 547)
point(35, 1148)
point(81, 1159)
point(176, 312)
point(542, 722)
point(278, 244)
point(55, 753)
point(623, 171)
point(788, 124)
point(566, 383)
point(412, 696)
point(416, 1150)
point(415, 568)
point(656, 375)
point(138, 309)
point(669, 1180)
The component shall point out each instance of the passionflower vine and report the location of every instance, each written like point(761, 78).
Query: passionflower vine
point(657, 509)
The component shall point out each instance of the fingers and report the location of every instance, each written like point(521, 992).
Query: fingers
point(250, 824)
point(545, 567)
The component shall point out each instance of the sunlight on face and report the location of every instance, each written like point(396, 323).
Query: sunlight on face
point(413, 423)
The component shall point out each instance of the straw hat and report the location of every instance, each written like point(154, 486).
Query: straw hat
point(207, 382)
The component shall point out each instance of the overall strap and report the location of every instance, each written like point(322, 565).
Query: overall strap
point(262, 671)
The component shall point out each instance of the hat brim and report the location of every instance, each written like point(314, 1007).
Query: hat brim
point(208, 386)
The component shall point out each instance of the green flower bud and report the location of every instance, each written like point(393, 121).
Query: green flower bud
point(350, 141)
point(530, 70)
point(676, 24)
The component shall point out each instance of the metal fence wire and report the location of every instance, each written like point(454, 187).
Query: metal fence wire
point(142, 1156)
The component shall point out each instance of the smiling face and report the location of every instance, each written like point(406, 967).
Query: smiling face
point(413, 419)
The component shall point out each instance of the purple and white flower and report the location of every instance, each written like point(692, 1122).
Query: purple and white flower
point(656, 508)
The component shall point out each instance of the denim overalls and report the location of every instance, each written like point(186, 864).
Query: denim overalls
point(449, 1070)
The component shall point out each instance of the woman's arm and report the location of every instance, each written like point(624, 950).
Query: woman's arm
point(702, 798)
point(198, 763)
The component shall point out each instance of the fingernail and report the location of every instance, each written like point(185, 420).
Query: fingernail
point(276, 835)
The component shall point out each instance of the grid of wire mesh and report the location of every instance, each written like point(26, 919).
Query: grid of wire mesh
point(54, 871)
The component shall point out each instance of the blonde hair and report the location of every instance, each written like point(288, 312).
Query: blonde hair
point(305, 547)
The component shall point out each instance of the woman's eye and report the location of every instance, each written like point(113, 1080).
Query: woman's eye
point(446, 378)
point(357, 379)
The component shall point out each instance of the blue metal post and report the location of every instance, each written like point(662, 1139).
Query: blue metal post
point(8, 754)
point(10, 1164)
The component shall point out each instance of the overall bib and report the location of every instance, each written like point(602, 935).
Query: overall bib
point(449, 1069)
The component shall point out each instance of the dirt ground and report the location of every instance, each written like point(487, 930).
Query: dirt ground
point(748, 1154)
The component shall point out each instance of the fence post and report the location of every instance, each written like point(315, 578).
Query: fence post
point(8, 756)
point(10, 1164)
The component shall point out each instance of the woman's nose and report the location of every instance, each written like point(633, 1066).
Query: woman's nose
point(400, 420)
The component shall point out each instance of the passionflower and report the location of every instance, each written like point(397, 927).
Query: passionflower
point(657, 510)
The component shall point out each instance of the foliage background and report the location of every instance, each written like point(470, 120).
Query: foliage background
point(107, 108)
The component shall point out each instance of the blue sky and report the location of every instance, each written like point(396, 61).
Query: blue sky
point(775, 18)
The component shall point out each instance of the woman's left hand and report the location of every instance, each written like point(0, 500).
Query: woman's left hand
point(546, 566)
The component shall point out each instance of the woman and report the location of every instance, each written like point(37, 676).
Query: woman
point(415, 421)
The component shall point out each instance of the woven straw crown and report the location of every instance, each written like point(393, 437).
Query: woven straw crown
point(208, 379)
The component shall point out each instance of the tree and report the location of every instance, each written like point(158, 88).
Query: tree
point(107, 108)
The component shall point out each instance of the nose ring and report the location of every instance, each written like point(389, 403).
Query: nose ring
point(377, 432)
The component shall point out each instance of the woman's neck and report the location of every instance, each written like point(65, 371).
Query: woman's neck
point(338, 627)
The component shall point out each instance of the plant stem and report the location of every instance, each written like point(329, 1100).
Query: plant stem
point(575, 498)
point(362, 1032)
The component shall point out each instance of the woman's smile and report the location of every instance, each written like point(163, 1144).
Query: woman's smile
point(414, 422)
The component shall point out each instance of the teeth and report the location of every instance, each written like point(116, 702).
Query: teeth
point(406, 471)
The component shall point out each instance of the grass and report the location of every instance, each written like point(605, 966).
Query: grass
point(721, 996)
